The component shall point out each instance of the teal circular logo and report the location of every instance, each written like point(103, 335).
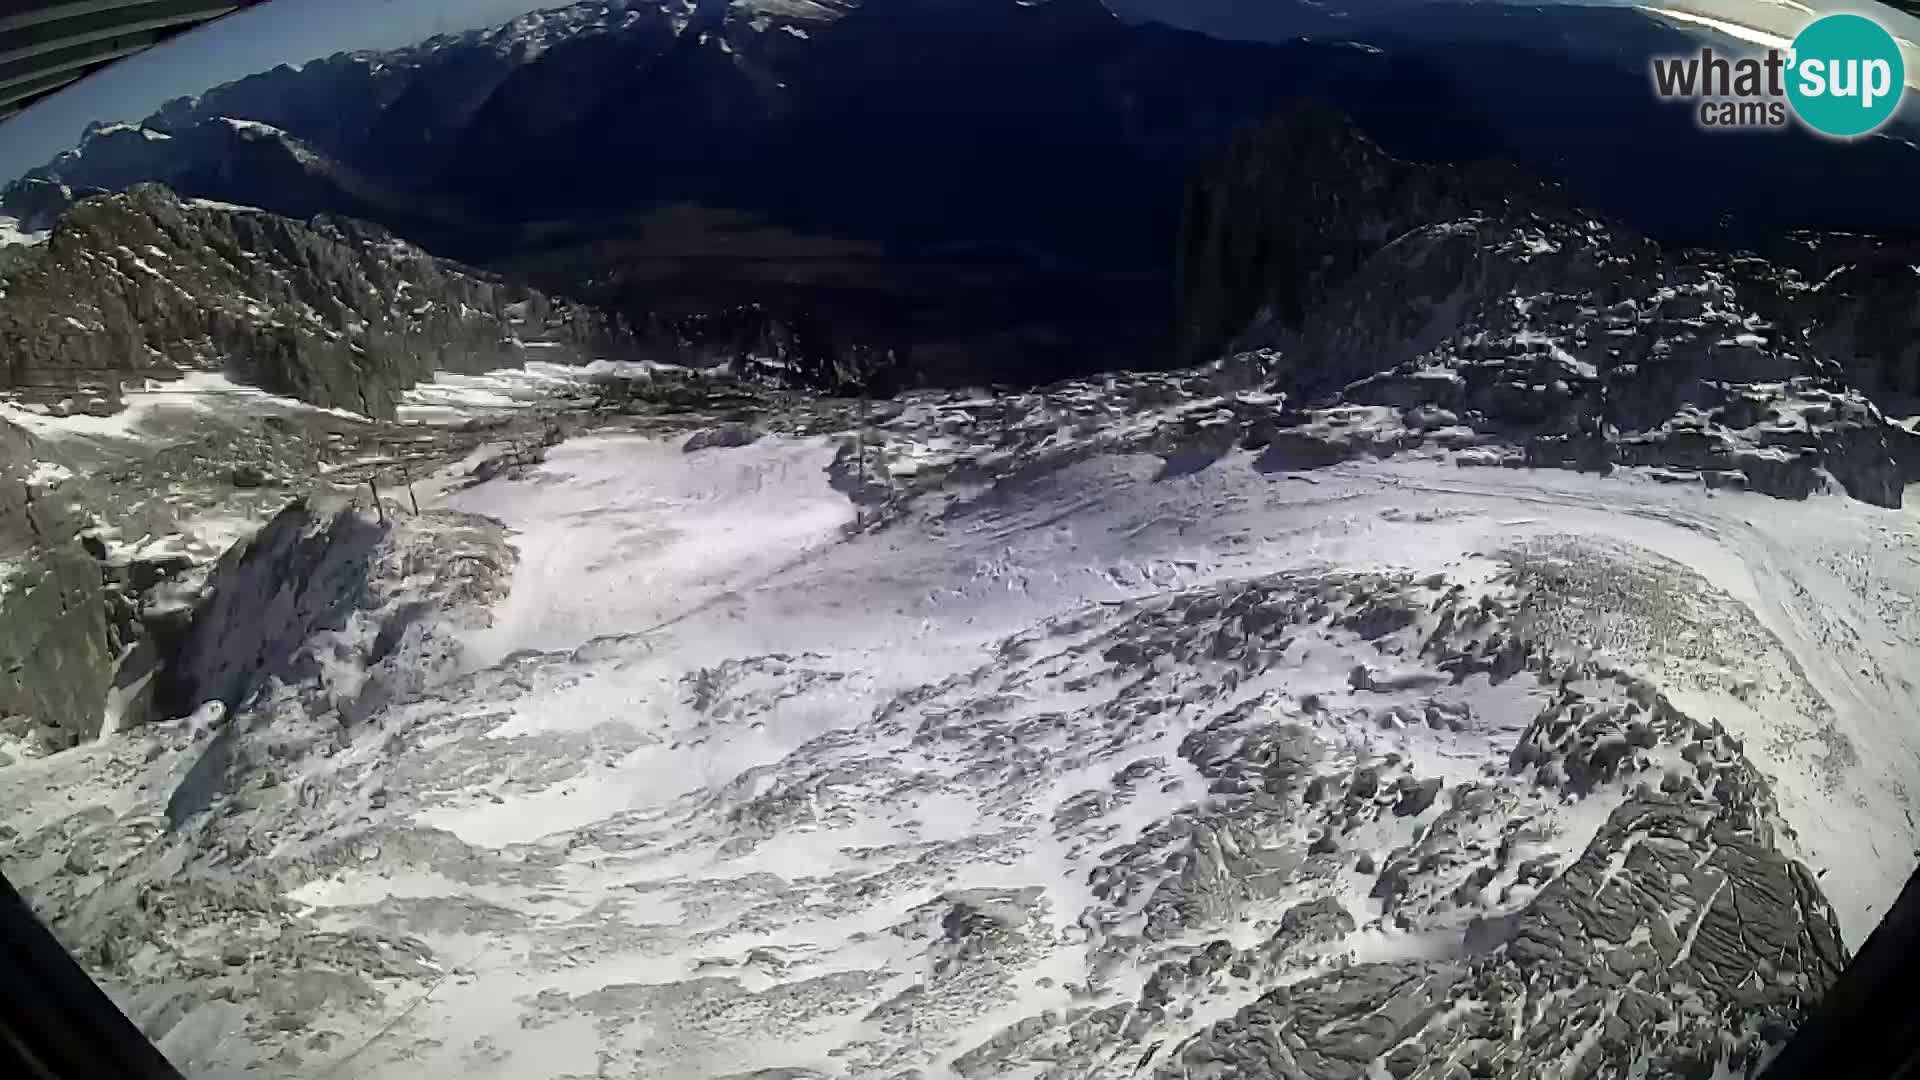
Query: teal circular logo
point(1846, 75)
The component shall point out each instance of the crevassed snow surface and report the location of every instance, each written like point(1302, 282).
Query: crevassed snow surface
point(729, 786)
point(733, 553)
point(655, 563)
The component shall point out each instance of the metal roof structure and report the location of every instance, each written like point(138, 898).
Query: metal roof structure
point(46, 44)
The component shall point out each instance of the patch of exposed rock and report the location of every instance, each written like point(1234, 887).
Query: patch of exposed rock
point(334, 311)
point(1680, 940)
point(1482, 307)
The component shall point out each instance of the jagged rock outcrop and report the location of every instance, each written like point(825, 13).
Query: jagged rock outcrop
point(55, 656)
point(1680, 940)
point(1481, 305)
point(56, 662)
point(17, 527)
point(80, 629)
point(320, 574)
point(303, 572)
point(335, 312)
point(132, 587)
point(1859, 302)
point(38, 203)
point(1296, 204)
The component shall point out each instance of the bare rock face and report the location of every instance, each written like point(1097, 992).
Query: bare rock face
point(17, 530)
point(305, 570)
point(1298, 204)
point(1680, 939)
point(38, 203)
point(1588, 348)
point(728, 435)
point(55, 662)
point(55, 652)
point(316, 573)
point(1484, 306)
point(334, 312)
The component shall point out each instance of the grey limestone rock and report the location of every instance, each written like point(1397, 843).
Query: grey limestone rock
point(1477, 305)
point(333, 311)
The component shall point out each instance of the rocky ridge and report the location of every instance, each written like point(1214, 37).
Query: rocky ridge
point(56, 650)
point(334, 312)
point(1481, 306)
point(110, 543)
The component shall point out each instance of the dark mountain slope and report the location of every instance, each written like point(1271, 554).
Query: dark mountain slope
point(335, 312)
point(988, 189)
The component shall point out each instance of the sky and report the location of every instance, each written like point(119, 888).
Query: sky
point(295, 31)
point(257, 39)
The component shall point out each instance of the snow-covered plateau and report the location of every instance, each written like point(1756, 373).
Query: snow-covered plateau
point(1086, 760)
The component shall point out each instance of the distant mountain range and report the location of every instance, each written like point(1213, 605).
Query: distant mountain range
point(991, 186)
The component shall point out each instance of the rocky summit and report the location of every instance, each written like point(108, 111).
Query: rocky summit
point(1466, 632)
